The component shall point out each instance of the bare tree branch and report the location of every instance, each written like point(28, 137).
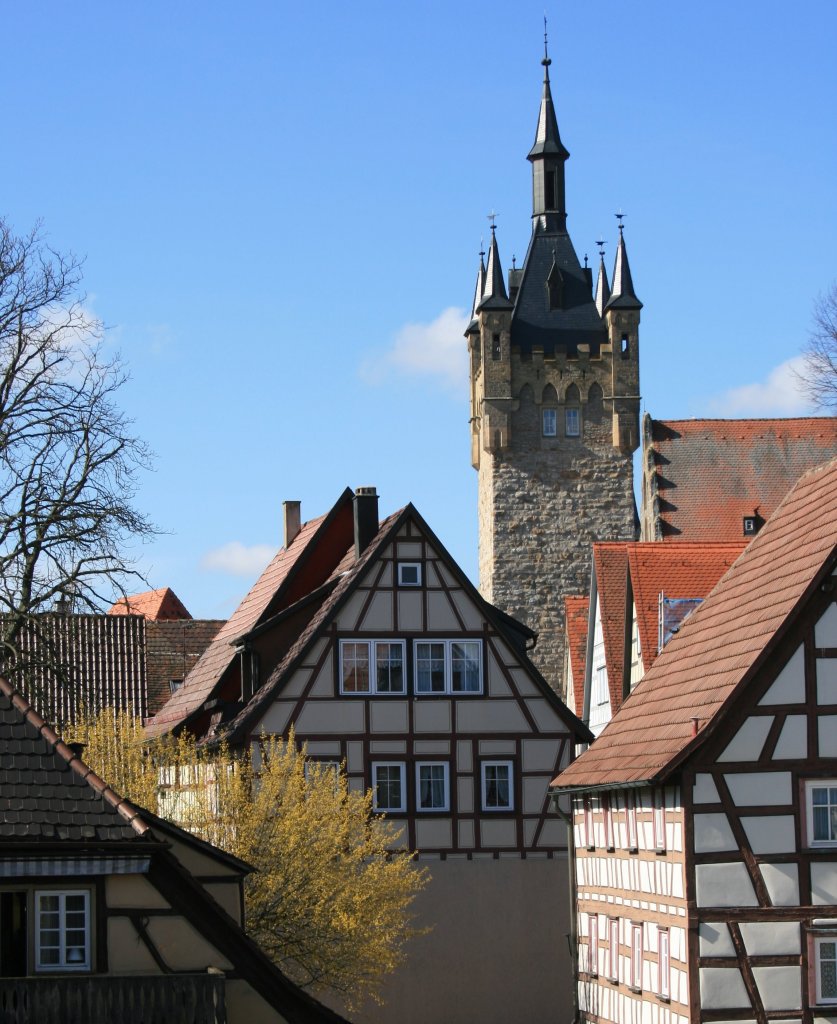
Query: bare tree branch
point(818, 376)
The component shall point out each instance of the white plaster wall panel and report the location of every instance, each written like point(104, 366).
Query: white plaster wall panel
point(133, 891)
point(793, 739)
point(409, 611)
point(498, 685)
point(387, 746)
point(379, 613)
point(465, 794)
point(388, 715)
point(760, 789)
point(446, 575)
point(324, 684)
point(677, 881)
point(546, 719)
point(127, 954)
point(431, 577)
point(440, 614)
point(713, 834)
point(481, 716)
point(776, 938)
point(434, 833)
point(276, 717)
point(705, 791)
point(789, 685)
point(524, 685)
point(349, 615)
point(183, 947)
point(466, 834)
point(496, 747)
point(826, 680)
point(825, 631)
point(534, 793)
point(553, 834)
point(464, 755)
point(676, 841)
point(324, 748)
point(411, 551)
point(498, 833)
point(827, 734)
point(336, 716)
point(431, 747)
point(678, 944)
point(780, 988)
point(724, 885)
point(722, 988)
point(354, 756)
point(467, 610)
point(782, 881)
point(386, 575)
point(748, 742)
point(530, 827)
point(645, 882)
point(646, 835)
point(774, 834)
point(431, 716)
point(823, 883)
point(297, 683)
point(539, 755)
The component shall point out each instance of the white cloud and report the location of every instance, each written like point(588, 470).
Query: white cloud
point(437, 349)
point(238, 559)
point(779, 394)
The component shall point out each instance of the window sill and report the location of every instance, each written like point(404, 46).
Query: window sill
point(633, 988)
point(664, 999)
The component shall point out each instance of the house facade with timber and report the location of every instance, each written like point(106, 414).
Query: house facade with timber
point(705, 815)
point(366, 639)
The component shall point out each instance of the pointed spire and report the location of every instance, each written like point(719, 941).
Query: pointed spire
point(547, 139)
point(478, 292)
point(602, 286)
point(494, 291)
point(548, 157)
point(623, 296)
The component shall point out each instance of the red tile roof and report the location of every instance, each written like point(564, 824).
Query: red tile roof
point(161, 605)
point(706, 475)
point(721, 645)
point(610, 561)
point(576, 611)
point(679, 571)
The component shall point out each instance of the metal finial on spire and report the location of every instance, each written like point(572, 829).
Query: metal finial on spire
point(492, 217)
point(620, 217)
point(546, 61)
point(482, 247)
point(514, 263)
point(600, 242)
point(585, 261)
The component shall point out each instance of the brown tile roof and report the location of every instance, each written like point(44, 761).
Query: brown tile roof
point(721, 645)
point(678, 570)
point(157, 605)
point(708, 474)
point(576, 611)
point(218, 656)
point(172, 649)
point(610, 561)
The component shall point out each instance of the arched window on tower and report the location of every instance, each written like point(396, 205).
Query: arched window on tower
point(549, 188)
point(555, 288)
point(625, 347)
point(549, 412)
point(572, 412)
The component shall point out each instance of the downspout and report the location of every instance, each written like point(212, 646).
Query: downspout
point(572, 938)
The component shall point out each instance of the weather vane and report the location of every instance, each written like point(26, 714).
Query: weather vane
point(492, 217)
point(620, 216)
point(600, 242)
point(546, 61)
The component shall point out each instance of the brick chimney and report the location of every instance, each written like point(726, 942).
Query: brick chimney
point(366, 517)
point(292, 514)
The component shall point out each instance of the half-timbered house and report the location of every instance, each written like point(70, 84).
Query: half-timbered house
point(367, 639)
point(109, 913)
point(705, 815)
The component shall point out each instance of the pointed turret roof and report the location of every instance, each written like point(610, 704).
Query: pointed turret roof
point(623, 295)
point(547, 139)
point(602, 286)
point(494, 294)
point(478, 292)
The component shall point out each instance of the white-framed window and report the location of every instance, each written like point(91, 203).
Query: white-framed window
point(601, 694)
point(664, 964)
point(549, 418)
point(593, 943)
point(372, 666)
point(613, 948)
point(432, 786)
point(630, 820)
point(389, 790)
point(448, 666)
point(659, 819)
point(821, 807)
point(636, 956)
point(409, 574)
point(572, 422)
point(825, 960)
point(62, 930)
point(497, 786)
point(607, 814)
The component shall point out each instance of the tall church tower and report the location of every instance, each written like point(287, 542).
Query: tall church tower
point(554, 409)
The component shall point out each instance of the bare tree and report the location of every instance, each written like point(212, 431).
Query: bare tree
point(68, 457)
point(818, 376)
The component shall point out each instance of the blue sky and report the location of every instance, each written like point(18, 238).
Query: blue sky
point(281, 207)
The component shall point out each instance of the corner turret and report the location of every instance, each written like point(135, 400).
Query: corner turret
point(622, 320)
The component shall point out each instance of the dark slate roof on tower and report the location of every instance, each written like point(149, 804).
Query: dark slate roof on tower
point(478, 292)
point(602, 287)
point(47, 792)
point(494, 293)
point(623, 295)
point(547, 140)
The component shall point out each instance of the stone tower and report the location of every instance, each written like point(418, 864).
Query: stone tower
point(554, 409)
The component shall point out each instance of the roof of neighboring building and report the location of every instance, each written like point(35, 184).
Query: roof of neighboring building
point(684, 570)
point(610, 563)
point(262, 599)
point(172, 649)
point(706, 475)
point(157, 605)
point(721, 646)
point(576, 612)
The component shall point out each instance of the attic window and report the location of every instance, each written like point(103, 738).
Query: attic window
point(174, 685)
point(409, 574)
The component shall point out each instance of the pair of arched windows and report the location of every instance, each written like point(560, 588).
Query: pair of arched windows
point(572, 412)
